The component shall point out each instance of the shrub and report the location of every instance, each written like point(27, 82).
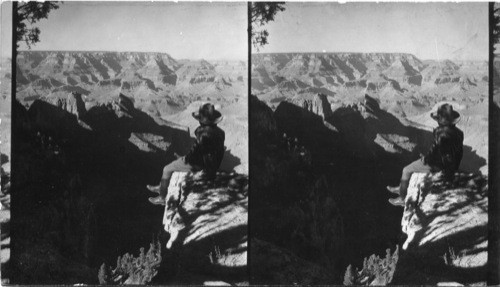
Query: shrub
point(451, 256)
point(133, 270)
point(216, 256)
point(376, 271)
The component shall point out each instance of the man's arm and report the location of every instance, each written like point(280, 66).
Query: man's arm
point(197, 149)
point(428, 158)
point(192, 151)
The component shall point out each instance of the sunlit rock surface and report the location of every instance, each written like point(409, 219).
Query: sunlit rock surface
point(447, 228)
point(207, 222)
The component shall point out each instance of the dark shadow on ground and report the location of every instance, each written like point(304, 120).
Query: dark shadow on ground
point(229, 162)
point(283, 184)
point(4, 159)
point(357, 171)
point(471, 161)
point(79, 194)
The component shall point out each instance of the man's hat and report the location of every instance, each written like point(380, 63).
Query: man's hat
point(208, 115)
point(445, 115)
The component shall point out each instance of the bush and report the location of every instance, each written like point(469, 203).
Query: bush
point(376, 271)
point(133, 270)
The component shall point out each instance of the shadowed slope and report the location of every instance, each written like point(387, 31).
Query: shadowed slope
point(79, 188)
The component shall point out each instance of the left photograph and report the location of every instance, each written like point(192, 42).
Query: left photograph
point(129, 160)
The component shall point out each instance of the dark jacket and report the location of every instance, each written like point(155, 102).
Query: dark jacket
point(208, 150)
point(447, 149)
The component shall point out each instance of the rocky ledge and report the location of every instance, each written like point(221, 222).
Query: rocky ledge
point(447, 227)
point(207, 223)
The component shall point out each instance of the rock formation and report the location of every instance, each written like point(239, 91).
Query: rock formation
point(157, 83)
point(209, 218)
point(395, 79)
point(447, 227)
point(318, 105)
point(73, 104)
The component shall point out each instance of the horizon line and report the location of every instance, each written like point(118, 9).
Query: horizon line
point(331, 52)
point(148, 52)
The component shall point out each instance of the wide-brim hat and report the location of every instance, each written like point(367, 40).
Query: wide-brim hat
point(207, 114)
point(445, 115)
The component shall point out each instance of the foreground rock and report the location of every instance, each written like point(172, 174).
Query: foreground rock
point(447, 228)
point(207, 222)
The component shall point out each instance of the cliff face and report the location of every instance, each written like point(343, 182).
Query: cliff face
point(196, 72)
point(76, 182)
point(95, 66)
point(158, 83)
point(342, 68)
point(318, 105)
point(338, 68)
point(401, 82)
point(73, 104)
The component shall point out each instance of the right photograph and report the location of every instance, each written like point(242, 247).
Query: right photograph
point(369, 143)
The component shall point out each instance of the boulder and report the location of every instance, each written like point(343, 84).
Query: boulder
point(449, 219)
point(207, 223)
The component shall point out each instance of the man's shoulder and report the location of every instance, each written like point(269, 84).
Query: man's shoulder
point(457, 130)
point(447, 131)
point(209, 130)
point(448, 128)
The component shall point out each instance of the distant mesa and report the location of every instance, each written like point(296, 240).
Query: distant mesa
point(144, 76)
point(344, 69)
point(400, 82)
point(194, 72)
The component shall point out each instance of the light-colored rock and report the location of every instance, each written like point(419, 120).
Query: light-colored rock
point(177, 181)
point(196, 197)
point(207, 222)
point(448, 219)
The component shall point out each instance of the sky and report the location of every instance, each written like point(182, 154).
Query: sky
point(5, 30)
point(454, 31)
point(208, 31)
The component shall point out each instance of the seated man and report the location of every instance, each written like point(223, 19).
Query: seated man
point(445, 153)
point(205, 154)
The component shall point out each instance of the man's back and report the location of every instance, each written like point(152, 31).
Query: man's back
point(208, 150)
point(447, 150)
